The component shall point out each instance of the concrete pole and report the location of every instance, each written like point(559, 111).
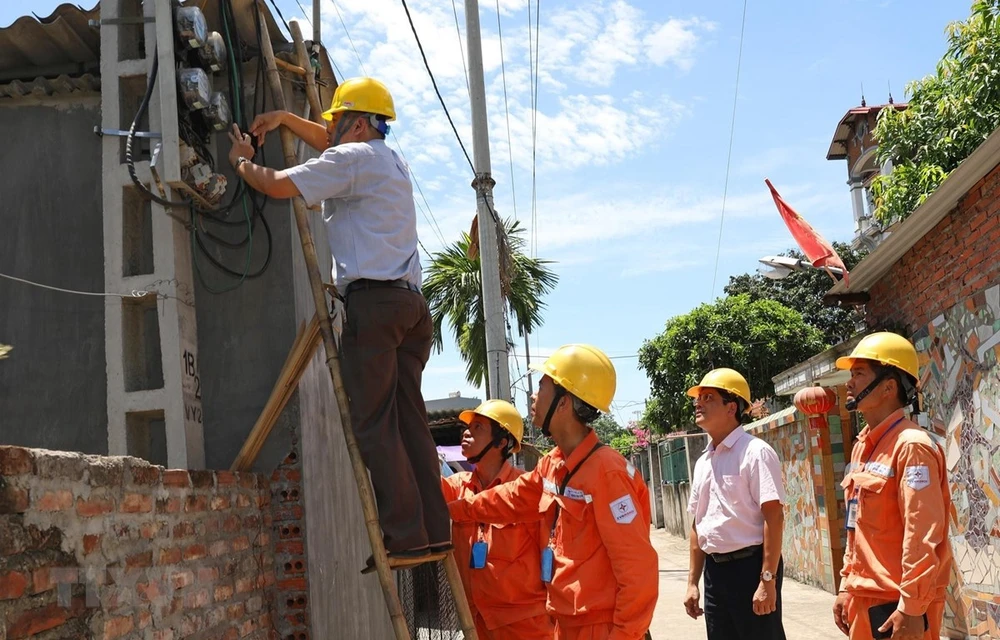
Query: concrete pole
point(317, 24)
point(489, 253)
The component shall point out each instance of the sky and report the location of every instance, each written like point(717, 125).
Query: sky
point(631, 157)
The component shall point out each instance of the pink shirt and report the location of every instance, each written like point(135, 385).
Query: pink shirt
point(730, 483)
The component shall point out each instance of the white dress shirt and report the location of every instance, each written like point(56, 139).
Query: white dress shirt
point(368, 208)
point(730, 483)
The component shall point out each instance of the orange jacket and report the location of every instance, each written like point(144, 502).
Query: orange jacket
point(605, 570)
point(899, 546)
point(507, 589)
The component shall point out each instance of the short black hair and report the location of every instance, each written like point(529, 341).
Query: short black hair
point(497, 432)
point(584, 412)
point(730, 398)
point(906, 385)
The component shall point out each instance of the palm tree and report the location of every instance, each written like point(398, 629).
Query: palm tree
point(453, 289)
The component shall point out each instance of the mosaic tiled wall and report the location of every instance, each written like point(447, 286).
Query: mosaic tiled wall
point(960, 380)
point(812, 465)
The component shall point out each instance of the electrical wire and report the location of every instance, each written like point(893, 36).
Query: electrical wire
point(729, 156)
point(135, 293)
point(534, 126)
point(506, 108)
point(461, 49)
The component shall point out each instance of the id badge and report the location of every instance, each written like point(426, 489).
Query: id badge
point(478, 558)
point(852, 514)
point(548, 557)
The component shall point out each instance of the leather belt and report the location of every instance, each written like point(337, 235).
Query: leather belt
point(739, 554)
point(365, 283)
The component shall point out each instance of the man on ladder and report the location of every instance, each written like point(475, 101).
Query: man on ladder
point(371, 225)
point(597, 563)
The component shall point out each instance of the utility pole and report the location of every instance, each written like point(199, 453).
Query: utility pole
point(489, 251)
point(317, 24)
point(531, 389)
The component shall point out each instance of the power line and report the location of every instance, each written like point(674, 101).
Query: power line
point(349, 38)
point(461, 50)
point(135, 293)
point(534, 123)
point(506, 107)
point(436, 90)
point(729, 157)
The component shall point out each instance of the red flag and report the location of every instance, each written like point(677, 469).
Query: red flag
point(818, 251)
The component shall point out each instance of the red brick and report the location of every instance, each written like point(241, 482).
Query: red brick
point(219, 548)
point(42, 580)
point(176, 478)
point(241, 543)
point(225, 478)
point(91, 543)
point(169, 556)
point(232, 633)
point(195, 504)
point(13, 585)
point(296, 548)
point(55, 501)
point(181, 579)
point(168, 505)
point(235, 611)
point(151, 530)
point(94, 507)
point(197, 599)
point(243, 502)
point(35, 621)
point(184, 530)
point(117, 627)
point(163, 634)
point(223, 592)
point(248, 480)
point(244, 585)
point(195, 552)
point(13, 499)
point(202, 479)
point(15, 461)
point(148, 591)
point(137, 503)
point(143, 559)
point(219, 503)
point(293, 584)
point(232, 524)
point(208, 575)
point(145, 619)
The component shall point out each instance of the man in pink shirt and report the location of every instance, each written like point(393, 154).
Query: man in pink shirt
point(737, 511)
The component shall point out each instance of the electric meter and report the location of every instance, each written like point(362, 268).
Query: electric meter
point(217, 115)
point(191, 27)
point(213, 54)
point(196, 90)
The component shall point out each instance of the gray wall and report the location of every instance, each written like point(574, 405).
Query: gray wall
point(676, 519)
point(53, 392)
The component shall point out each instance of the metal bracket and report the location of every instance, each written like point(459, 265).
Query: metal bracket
point(121, 133)
point(117, 21)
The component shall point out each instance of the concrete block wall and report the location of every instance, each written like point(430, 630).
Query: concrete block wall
point(112, 547)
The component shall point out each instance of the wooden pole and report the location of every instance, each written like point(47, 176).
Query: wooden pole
point(315, 109)
point(332, 357)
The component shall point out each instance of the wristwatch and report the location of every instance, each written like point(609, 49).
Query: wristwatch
point(766, 576)
point(240, 161)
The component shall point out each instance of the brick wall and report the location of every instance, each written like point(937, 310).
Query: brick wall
point(291, 604)
point(111, 547)
point(950, 264)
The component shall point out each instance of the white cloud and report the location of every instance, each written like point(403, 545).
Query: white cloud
point(675, 41)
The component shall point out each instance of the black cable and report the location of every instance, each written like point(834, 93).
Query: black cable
point(275, 5)
point(436, 90)
point(236, 274)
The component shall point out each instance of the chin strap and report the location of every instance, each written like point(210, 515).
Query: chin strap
point(559, 393)
point(493, 443)
point(852, 404)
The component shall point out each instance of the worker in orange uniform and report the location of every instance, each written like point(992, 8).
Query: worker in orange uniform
point(499, 564)
point(597, 564)
point(898, 559)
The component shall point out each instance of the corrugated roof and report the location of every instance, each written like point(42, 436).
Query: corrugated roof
point(63, 39)
point(43, 87)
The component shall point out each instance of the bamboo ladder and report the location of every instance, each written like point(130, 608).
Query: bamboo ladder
point(333, 358)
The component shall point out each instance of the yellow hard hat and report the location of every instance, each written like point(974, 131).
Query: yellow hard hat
point(728, 380)
point(583, 370)
point(366, 95)
point(886, 348)
point(504, 413)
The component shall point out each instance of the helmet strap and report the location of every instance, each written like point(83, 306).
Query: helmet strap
point(556, 397)
point(345, 122)
point(852, 405)
point(495, 442)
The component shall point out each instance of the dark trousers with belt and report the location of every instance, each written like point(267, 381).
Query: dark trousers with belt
point(729, 590)
point(385, 344)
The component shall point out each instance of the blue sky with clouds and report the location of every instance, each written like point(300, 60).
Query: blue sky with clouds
point(634, 108)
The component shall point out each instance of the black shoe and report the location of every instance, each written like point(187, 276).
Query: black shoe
point(441, 547)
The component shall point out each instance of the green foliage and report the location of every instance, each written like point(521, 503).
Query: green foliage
point(624, 443)
point(950, 113)
point(759, 338)
point(453, 289)
point(607, 428)
point(803, 291)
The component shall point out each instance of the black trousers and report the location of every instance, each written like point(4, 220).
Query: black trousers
point(729, 589)
point(385, 344)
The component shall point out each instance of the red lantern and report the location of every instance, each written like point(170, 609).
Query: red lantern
point(815, 402)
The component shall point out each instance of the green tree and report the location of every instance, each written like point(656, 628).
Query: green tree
point(950, 113)
point(803, 291)
point(759, 338)
point(607, 428)
point(454, 293)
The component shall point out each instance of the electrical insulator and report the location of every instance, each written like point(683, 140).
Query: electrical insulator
point(191, 27)
point(196, 90)
point(218, 115)
point(213, 54)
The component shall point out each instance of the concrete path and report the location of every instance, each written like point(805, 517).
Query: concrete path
point(807, 611)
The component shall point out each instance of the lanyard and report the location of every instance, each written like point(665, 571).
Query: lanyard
point(882, 437)
point(562, 486)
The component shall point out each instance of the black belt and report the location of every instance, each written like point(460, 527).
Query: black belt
point(365, 283)
point(739, 554)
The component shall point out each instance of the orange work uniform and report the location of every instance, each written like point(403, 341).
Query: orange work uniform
point(506, 596)
point(605, 571)
point(898, 549)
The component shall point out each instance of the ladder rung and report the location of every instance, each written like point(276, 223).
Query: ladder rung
point(397, 564)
